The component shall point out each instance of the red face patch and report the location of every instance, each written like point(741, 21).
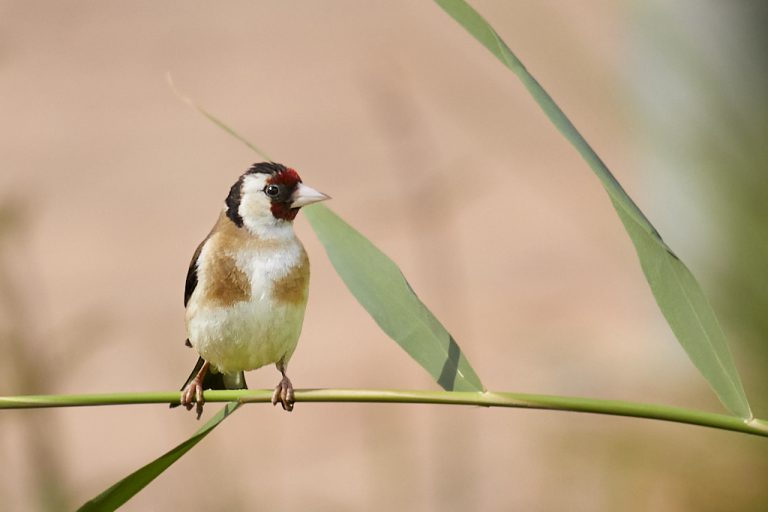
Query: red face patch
point(287, 180)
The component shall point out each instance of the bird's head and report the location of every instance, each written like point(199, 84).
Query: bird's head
point(267, 197)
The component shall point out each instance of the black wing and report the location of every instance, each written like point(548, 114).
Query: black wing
point(191, 284)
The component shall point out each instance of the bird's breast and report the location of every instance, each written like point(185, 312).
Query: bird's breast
point(236, 269)
point(248, 307)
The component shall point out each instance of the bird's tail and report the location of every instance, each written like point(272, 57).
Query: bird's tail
point(215, 380)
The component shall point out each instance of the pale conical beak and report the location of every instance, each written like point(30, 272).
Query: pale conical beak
point(304, 195)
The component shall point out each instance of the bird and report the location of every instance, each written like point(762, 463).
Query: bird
point(247, 286)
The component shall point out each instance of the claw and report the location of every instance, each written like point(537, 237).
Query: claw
point(284, 394)
point(193, 392)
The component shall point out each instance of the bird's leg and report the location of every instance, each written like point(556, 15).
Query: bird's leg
point(193, 392)
point(284, 390)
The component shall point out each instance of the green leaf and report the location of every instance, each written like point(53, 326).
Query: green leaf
point(677, 292)
point(129, 486)
point(379, 286)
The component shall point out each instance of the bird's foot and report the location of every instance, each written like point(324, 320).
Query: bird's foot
point(193, 394)
point(284, 394)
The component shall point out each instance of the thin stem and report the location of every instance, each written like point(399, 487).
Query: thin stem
point(487, 399)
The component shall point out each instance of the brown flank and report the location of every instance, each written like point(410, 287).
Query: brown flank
point(292, 288)
point(227, 284)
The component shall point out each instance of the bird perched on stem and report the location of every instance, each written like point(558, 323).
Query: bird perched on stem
point(247, 285)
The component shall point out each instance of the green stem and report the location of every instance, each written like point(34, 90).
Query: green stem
point(487, 399)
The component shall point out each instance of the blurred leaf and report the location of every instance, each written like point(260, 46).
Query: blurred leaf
point(677, 292)
point(379, 286)
point(215, 120)
point(129, 486)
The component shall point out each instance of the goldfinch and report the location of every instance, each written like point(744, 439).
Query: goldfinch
point(247, 285)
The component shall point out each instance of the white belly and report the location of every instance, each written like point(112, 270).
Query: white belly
point(246, 335)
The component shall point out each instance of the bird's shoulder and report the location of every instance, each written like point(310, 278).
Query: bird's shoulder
point(222, 225)
point(191, 282)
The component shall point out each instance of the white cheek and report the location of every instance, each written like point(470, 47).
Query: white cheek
point(256, 211)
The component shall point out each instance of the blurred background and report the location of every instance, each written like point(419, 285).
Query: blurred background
point(434, 151)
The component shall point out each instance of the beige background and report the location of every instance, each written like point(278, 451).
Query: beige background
point(430, 148)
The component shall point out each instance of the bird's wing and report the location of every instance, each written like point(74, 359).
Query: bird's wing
point(191, 283)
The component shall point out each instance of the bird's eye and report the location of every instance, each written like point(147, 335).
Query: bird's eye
point(272, 190)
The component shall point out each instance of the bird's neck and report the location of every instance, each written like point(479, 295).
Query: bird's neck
point(269, 228)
